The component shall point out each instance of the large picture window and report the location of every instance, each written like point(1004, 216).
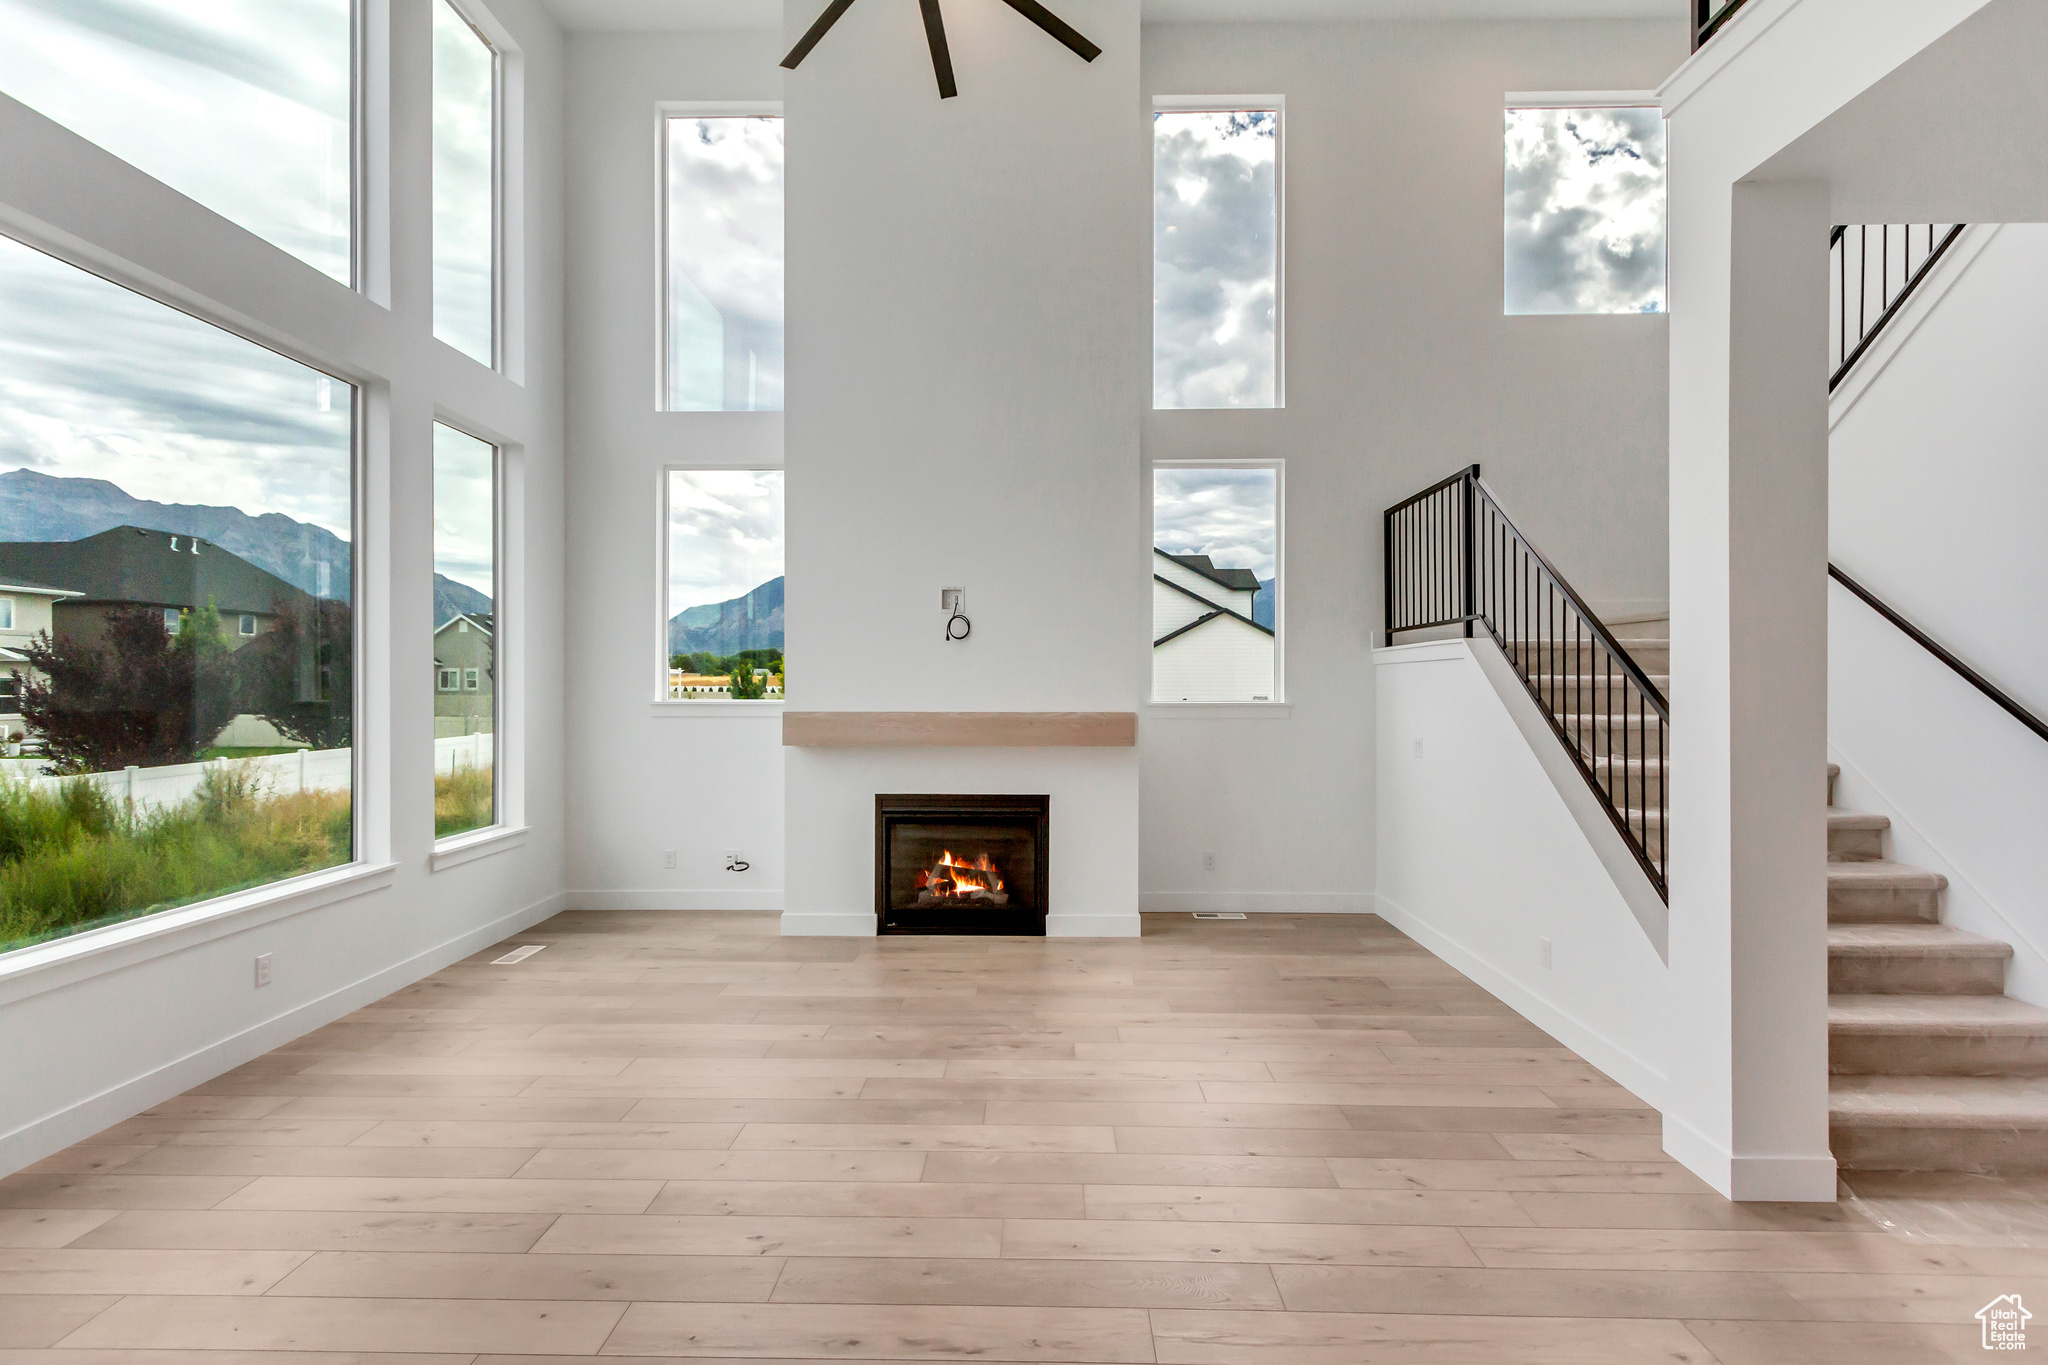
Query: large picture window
point(243, 105)
point(1216, 582)
point(180, 699)
point(465, 632)
point(465, 186)
point(1216, 258)
point(722, 262)
point(1584, 227)
point(723, 613)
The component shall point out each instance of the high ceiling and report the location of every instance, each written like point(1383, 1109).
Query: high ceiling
point(641, 15)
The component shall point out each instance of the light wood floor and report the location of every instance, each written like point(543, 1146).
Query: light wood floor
point(1287, 1141)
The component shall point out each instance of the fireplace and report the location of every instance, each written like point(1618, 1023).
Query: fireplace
point(968, 864)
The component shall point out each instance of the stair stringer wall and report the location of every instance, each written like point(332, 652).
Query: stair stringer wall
point(1481, 857)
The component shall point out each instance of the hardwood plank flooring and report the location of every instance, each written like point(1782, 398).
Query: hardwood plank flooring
point(682, 1138)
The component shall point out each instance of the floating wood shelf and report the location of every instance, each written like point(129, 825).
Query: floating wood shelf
point(959, 729)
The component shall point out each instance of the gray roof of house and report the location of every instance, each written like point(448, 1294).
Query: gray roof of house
point(130, 564)
point(1237, 580)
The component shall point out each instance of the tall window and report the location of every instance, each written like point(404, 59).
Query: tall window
point(1215, 258)
point(465, 631)
point(723, 613)
point(723, 263)
point(242, 105)
point(465, 186)
point(129, 654)
point(1585, 211)
point(1216, 582)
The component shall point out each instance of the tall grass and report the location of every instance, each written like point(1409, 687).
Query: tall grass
point(73, 858)
point(462, 799)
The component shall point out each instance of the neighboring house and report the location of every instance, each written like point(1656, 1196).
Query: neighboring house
point(708, 686)
point(131, 566)
point(26, 611)
point(1205, 644)
point(465, 692)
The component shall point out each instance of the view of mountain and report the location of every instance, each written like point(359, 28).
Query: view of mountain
point(750, 622)
point(35, 506)
point(1262, 604)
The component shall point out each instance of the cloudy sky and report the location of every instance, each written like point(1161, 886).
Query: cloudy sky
point(100, 383)
point(465, 498)
point(241, 104)
point(725, 263)
point(1213, 213)
point(724, 534)
point(464, 112)
point(1226, 514)
point(1585, 211)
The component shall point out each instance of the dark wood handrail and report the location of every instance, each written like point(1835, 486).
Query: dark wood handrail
point(1926, 642)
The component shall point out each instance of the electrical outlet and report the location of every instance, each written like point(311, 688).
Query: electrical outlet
point(263, 969)
point(1418, 748)
point(1543, 951)
point(668, 859)
point(1208, 862)
point(736, 861)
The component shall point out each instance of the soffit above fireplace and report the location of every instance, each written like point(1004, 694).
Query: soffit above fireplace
point(959, 729)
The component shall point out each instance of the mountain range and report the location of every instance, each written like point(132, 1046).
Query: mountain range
point(752, 621)
point(1262, 604)
point(38, 506)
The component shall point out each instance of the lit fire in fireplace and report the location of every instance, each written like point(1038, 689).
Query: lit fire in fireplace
point(955, 881)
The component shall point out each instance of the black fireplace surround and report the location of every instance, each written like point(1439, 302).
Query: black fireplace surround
point(960, 864)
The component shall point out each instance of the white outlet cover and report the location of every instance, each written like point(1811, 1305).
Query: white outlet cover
point(668, 857)
point(1543, 950)
point(263, 969)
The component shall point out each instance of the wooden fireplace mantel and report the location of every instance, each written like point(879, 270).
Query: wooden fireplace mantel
point(959, 729)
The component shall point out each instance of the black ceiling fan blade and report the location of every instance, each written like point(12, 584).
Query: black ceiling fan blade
point(942, 58)
point(1057, 27)
point(817, 30)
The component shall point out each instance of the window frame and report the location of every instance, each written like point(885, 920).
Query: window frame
point(468, 13)
point(6, 613)
point(502, 822)
point(1233, 104)
point(1587, 99)
point(1280, 707)
point(728, 707)
point(665, 110)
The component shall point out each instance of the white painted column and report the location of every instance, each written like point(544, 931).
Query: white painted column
point(1748, 1108)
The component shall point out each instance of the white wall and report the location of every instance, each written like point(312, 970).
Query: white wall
point(696, 777)
point(102, 1025)
point(966, 285)
point(1937, 487)
point(1481, 858)
point(1401, 369)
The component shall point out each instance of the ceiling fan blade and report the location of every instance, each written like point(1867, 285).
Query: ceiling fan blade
point(1057, 27)
point(818, 30)
point(942, 59)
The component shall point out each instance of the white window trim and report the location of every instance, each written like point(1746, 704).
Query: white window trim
point(1231, 104)
point(470, 845)
point(664, 110)
point(1280, 707)
point(663, 705)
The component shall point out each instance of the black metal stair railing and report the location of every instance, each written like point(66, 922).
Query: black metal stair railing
point(1453, 557)
point(1873, 268)
point(1708, 16)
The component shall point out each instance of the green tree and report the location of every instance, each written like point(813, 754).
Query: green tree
point(746, 686)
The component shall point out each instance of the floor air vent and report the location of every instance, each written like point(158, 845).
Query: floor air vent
point(1219, 914)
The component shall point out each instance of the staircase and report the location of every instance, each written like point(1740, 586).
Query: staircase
point(1934, 1067)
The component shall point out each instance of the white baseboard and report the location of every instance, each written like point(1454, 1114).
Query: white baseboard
point(54, 1132)
point(1627, 1070)
point(1092, 926)
point(1258, 902)
point(1750, 1179)
point(674, 900)
point(796, 924)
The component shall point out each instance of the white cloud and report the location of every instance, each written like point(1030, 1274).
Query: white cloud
point(725, 263)
point(1226, 514)
point(97, 382)
point(1585, 211)
point(1213, 258)
point(242, 105)
point(725, 534)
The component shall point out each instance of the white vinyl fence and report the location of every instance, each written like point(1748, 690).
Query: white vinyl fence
point(304, 770)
